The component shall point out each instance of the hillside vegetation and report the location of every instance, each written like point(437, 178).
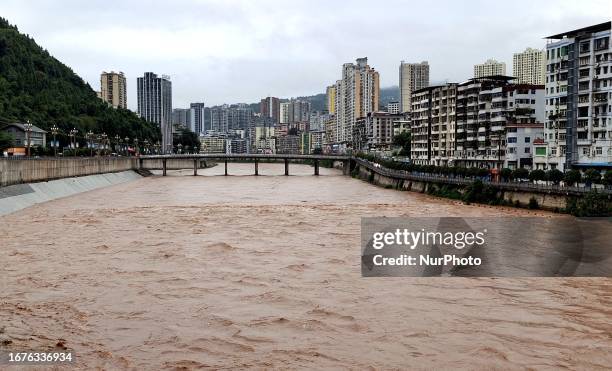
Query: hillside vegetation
point(37, 87)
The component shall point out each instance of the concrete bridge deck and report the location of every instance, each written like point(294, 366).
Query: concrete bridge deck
point(194, 160)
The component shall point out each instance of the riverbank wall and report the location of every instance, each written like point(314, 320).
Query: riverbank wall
point(515, 195)
point(19, 196)
point(20, 171)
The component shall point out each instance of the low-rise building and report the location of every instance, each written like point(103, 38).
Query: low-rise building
point(288, 144)
point(374, 132)
point(212, 144)
point(37, 136)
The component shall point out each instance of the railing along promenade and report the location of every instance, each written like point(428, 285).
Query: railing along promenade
point(464, 181)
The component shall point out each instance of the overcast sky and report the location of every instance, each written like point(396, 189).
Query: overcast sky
point(240, 51)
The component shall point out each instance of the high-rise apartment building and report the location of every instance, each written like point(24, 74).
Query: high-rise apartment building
point(374, 132)
point(393, 107)
point(113, 89)
point(356, 96)
point(294, 111)
point(433, 124)
point(578, 130)
point(231, 117)
point(529, 67)
point(490, 110)
point(330, 95)
point(155, 104)
point(181, 117)
point(412, 76)
point(490, 68)
point(270, 107)
point(197, 114)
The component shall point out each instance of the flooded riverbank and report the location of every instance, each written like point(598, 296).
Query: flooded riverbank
point(244, 271)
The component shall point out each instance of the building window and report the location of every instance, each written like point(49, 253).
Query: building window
point(527, 139)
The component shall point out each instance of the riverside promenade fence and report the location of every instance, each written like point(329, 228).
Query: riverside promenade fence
point(506, 186)
point(29, 170)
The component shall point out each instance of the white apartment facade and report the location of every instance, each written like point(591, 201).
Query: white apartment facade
point(432, 124)
point(490, 68)
point(357, 94)
point(412, 76)
point(578, 129)
point(529, 67)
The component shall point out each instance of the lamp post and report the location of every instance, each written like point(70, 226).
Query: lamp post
point(157, 148)
point(136, 148)
point(89, 136)
point(54, 130)
point(72, 136)
point(28, 131)
point(127, 146)
point(104, 143)
point(146, 146)
point(180, 148)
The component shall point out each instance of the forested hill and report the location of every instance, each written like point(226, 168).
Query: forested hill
point(37, 87)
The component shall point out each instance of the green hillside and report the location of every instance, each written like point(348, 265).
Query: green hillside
point(37, 87)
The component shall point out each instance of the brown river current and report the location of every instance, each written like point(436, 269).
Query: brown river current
point(188, 272)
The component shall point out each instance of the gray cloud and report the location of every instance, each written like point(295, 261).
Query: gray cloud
point(240, 51)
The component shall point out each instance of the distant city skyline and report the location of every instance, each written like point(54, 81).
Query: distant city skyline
point(249, 51)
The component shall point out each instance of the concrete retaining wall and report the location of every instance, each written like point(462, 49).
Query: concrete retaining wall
point(20, 196)
point(45, 169)
point(545, 201)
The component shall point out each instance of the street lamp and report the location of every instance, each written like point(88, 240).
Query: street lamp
point(72, 136)
point(54, 130)
point(104, 143)
point(157, 148)
point(28, 131)
point(127, 146)
point(146, 146)
point(89, 136)
point(180, 148)
point(136, 148)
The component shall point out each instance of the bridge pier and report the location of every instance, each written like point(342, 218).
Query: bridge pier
point(316, 167)
point(164, 167)
point(286, 166)
point(256, 167)
point(195, 167)
point(346, 167)
point(225, 167)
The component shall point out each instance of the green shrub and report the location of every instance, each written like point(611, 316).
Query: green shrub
point(572, 177)
point(591, 204)
point(537, 175)
point(554, 175)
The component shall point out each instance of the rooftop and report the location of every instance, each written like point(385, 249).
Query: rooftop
point(20, 126)
point(581, 31)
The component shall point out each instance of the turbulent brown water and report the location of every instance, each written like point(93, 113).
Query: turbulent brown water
point(264, 272)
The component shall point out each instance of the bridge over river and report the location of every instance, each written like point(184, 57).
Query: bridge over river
point(185, 161)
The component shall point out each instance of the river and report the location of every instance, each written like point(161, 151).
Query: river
point(264, 272)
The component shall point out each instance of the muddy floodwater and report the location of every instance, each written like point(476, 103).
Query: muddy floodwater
point(264, 272)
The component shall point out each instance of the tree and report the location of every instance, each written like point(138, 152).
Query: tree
point(505, 174)
point(37, 87)
point(592, 176)
point(6, 140)
point(403, 140)
point(537, 175)
point(520, 173)
point(186, 138)
point(572, 177)
point(554, 175)
point(607, 178)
